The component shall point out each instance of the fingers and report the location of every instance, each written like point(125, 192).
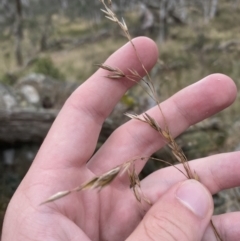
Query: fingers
point(187, 107)
point(227, 226)
point(217, 173)
point(73, 136)
point(183, 214)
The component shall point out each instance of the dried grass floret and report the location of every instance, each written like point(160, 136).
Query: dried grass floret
point(107, 178)
point(115, 73)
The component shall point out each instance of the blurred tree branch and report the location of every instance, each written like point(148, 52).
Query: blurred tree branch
point(18, 33)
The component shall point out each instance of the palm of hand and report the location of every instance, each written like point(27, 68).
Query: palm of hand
point(88, 215)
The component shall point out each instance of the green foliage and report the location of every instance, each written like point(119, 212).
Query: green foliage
point(128, 100)
point(200, 143)
point(46, 66)
point(8, 79)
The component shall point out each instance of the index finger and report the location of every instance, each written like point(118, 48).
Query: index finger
point(73, 136)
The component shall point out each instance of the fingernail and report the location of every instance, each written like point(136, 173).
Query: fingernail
point(195, 197)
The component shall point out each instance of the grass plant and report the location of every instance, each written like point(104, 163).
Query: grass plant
point(128, 167)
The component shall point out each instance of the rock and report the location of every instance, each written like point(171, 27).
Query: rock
point(43, 91)
point(230, 201)
point(35, 91)
point(30, 94)
point(8, 156)
point(7, 97)
point(237, 148)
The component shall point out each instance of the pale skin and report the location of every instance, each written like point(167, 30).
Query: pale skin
point(65, 160)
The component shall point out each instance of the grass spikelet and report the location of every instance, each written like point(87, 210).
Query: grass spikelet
point(116, 73)
point(56, 196)
point(106, 178)
point(134, 183)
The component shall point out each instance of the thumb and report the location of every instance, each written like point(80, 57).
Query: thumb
point(182, 213)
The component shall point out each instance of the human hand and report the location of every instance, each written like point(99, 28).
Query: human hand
point(65, 160)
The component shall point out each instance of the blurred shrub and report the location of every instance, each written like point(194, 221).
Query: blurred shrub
point(46, 66)
point(8, 79)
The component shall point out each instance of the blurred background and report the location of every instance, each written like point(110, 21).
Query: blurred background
point(48, 48)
